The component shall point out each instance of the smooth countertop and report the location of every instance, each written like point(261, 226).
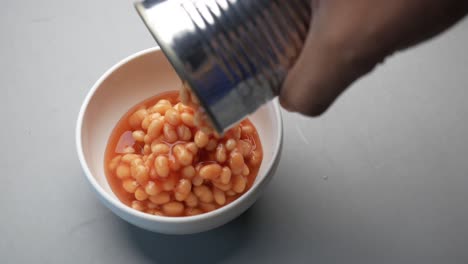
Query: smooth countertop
point(380, 178)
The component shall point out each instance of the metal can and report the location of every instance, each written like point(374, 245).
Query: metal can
point(233, 54)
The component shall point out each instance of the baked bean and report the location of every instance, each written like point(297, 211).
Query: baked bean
point(207, 207)
point(188, 172)
point(142, 174)
point(212, 143)
point(207, 130)
point(192, 211)
point(148, 119)
point(136, 170)
point(133, 171)
point(231, 144)
point(152, 156)
point(123, 171)
point(146, 122)
point(170, 183)
point(223, 187)
point(160, 198)
point(114, 162)
point(137, 205)
point(136, 161)
point(183, 189)
point(149, 160)
point(197, 180)
point(225, 177)
point(164, 101)
point(246, 170)
point(180, 152)
point(187, 119)
point(219, 196)
point(151, 205)
point(140, 194)
point(161, 164)
point(170, 133)
point(201, 139)
point(231, 193)
point(184, 133)
point(147, 139)
point(236, 162)
point(172, 117)
point(181, 108)
point(129, 157)
point(244, 147)
point(161, 108)
point(156, 116)
point(210, 172)
point(159, 148)
point(247, 130)
point(136, 118)
point(128, 150)
point(152, 188)
point(150, 211)
point(184, 109)
point(192, 147)
point(154, 129)
point(138, 135)
point(179, 196)
point(130, 186)
point(184, 186)
point(191, 200)
point(146, 149)
point(203, 193)
point(255, 158)
point(220, 153)
point(184, 156)
point(173, 208)
point(239, 183)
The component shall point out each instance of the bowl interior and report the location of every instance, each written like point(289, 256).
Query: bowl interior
point(134, 80)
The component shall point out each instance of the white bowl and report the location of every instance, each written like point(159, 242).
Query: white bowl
point(132, 80)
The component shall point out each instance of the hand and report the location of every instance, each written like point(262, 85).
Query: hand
point(348, 38)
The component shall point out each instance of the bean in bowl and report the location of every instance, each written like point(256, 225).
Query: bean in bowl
point(161, 161)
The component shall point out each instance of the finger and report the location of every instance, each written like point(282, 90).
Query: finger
point(327, 65)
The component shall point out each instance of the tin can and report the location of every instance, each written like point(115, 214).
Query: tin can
point(233, 54)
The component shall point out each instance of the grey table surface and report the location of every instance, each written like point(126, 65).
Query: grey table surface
point(380, 178)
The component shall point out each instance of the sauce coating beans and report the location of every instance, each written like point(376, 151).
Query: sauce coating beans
point(164, 159)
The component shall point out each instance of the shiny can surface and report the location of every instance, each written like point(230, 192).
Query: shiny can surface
point(233, 54)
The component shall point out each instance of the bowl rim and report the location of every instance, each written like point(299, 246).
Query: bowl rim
point(155, 218)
